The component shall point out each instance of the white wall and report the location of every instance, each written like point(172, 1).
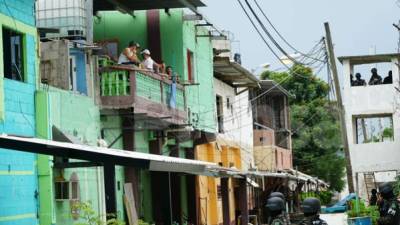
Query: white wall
point(372, 100)
point(238, 120)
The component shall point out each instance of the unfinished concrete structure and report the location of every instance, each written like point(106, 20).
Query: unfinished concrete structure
point(372, 119)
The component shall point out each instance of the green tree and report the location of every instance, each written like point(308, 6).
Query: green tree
point(315, 125)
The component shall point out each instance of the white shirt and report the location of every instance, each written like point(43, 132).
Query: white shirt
point(122, 57)
point(148, 64)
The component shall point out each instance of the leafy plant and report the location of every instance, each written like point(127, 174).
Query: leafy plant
point(324, 196)
point(89, 217)
point(362, 211)
point(388, 133)
point(396, 186)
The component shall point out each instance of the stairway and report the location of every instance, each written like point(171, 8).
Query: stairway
point(370, 182)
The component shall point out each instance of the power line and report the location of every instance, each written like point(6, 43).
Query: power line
point(280, 35)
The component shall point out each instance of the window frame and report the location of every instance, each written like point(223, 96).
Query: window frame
point(23, 54)
point(373, 116)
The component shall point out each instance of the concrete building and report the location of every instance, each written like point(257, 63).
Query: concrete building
point(272, 134)
point(372, 118)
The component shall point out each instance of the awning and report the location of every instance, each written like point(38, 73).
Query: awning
point(233, 73)
point(307, 178)
point(105, 155)
point(134, 5)
point(268, 174)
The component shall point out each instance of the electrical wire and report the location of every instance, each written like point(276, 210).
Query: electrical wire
point(280, 35)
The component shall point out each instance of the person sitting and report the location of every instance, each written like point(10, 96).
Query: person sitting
point(148, 63)
point(359, 81)
point(129, 55)
point(375, 78)
point(388, 79)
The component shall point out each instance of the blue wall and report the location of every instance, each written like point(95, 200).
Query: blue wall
point(80, 61)
point(18, 171)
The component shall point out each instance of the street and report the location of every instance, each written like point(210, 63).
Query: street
point(335, 219)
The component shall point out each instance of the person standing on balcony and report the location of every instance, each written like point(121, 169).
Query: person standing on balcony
point(148, 63)
point(375, 78)
point(359, 81)
point(129, 55)
point(389, 78)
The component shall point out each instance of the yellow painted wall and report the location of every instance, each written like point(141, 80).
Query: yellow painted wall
point(210, 206)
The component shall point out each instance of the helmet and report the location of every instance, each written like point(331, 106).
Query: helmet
point(311, 206)
point(275, 204)
point(277, 194)
point(386, 190)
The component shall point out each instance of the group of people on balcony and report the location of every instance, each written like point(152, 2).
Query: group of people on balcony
point(129, 56)
point(375, 79)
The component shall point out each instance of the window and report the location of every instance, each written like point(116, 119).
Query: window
point(190, 65)
point(371, 74)
point(62, 190)
point(13, 54)
point(278, 107)
point(66, 190)
point(220, 116)
point(374, 129)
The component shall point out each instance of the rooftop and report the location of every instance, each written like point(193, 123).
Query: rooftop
point(274, 87)
point(233, 73)
point(368, 59)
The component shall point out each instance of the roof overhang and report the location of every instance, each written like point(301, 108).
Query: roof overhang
point(106, 155)
point(274, 87)
point(135, 5)
point(369, 59)
point(233, 73)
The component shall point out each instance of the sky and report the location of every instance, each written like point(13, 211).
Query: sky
point(356, 26)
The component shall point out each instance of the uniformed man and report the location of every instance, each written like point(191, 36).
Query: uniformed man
point(389, 208)
point(276, 207)
point(311, 208)
point(282, 196)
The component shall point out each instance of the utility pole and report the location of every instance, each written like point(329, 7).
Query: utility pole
point(332, 62)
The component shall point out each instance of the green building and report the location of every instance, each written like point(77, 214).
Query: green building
point(159, 128)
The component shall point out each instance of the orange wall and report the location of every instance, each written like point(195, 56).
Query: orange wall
point(210, 205)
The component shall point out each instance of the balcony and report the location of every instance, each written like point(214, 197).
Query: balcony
point(125, 87)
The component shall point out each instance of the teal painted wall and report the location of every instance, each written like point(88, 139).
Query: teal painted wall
point(18, 172)
point(85, 125)
point(122, 27)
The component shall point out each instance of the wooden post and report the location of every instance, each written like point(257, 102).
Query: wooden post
point(342, 115)
point(225, 201)
point(244, 211)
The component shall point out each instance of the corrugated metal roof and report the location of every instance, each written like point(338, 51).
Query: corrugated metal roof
point(105, 155)
point(233, 73)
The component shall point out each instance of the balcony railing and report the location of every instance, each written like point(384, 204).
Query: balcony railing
point(123, 87)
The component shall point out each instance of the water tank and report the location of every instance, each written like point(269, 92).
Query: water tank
point(70, 16)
